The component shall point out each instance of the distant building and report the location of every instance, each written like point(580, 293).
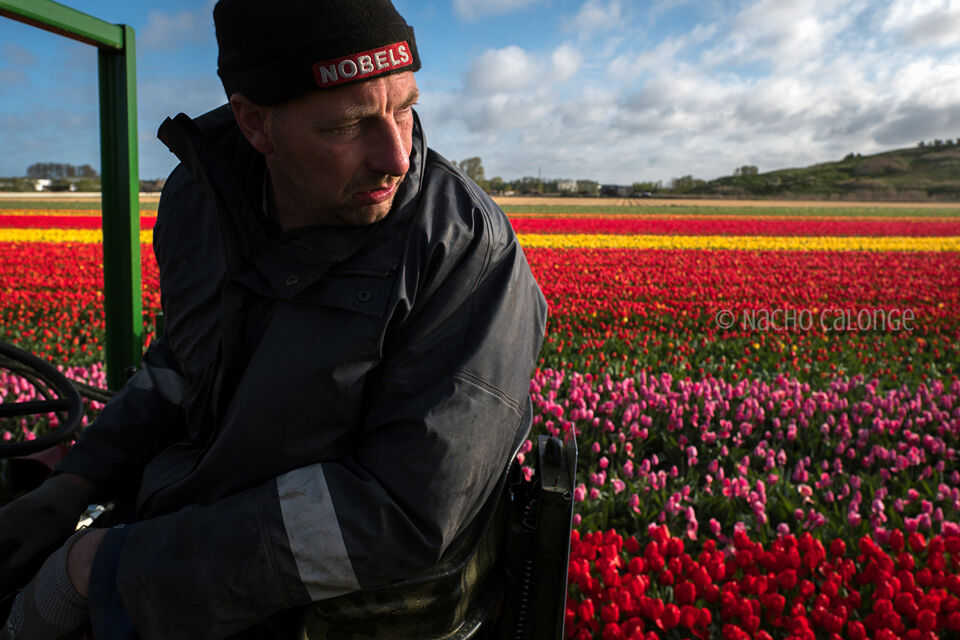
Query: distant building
point(567, 186)
point(617, 190)
point(46, 184)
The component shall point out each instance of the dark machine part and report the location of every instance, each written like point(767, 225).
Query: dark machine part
point(58, 396)
point(538, 543)
point(24, 465)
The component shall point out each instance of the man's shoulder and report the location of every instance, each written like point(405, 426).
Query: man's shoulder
point(449, 199)
point(213, 155)
point(445, 174)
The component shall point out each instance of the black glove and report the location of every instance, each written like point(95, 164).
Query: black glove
point(50, 608)
point(34, 526)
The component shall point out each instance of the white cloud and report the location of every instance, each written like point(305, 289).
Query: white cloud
point(504, 88)
point(596, 15)
point(590, 109)
point(773, 83)
point(509, 90)
point(669, 51)
point(498, 71)
point(474, 9)
point(168, 31)
point(566, 61)
point(514, 70)
point(783, 33)
point(925, 22)
point(914, 121)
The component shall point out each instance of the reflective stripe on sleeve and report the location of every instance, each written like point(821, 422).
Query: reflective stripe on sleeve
point(314, 533)
point(167, 383)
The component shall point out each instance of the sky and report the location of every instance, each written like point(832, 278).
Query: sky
point(616, 91)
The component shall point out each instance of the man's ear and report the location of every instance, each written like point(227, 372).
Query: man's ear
point(252, 120)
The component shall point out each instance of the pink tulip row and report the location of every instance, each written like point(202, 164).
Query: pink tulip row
point(788, 456)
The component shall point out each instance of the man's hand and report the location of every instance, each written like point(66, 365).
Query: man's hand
point(51, 607)
point(80, 560)
point(33, 526)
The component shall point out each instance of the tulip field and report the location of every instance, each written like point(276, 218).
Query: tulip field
point(766, 402)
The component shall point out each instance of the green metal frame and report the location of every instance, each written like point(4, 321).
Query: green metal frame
point(120, 181)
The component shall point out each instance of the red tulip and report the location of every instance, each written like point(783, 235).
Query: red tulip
point(609, 613)
point(671, 616)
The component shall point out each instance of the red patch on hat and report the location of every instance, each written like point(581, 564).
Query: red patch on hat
point(360, 66)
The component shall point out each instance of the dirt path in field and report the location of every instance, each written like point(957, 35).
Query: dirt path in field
point(740, 204)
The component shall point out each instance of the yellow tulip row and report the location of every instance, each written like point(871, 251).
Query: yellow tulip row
point(85, 236)
point(599, 241)
point(743, 243)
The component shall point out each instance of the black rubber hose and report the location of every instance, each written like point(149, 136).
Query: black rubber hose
point(58, 393)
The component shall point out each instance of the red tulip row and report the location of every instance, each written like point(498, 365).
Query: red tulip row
point(687, 284)
point(791, 312)
point(51, 299)
point(62, 222)
point(795, 588)
point(746, 226)
point(873, 227)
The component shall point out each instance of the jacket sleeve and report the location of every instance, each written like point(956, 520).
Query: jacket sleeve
point(445, 405)
point(143, 418)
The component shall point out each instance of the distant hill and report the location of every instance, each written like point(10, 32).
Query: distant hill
point(930, 172)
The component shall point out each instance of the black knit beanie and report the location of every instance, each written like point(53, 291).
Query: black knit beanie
point(274, 51)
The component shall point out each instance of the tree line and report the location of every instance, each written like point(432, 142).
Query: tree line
point(527, 185)
point(59, 170)
point(63, 176)
point(939, 143)
point(530, 185)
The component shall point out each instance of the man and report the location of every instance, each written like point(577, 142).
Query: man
point(351, 328)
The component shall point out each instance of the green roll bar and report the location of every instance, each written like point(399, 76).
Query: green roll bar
point(120, 179)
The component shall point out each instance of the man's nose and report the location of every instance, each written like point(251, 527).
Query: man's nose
point(388, 151)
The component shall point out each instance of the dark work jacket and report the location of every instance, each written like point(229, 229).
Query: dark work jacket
point(326, 412)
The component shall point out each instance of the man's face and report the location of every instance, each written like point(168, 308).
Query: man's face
point(338, 155)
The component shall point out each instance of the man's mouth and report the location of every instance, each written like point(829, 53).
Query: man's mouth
point(377, 194)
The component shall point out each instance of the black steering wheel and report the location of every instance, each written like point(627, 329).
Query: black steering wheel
point(59, 396)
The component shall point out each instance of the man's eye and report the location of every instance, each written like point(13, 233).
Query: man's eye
point(346, 129)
